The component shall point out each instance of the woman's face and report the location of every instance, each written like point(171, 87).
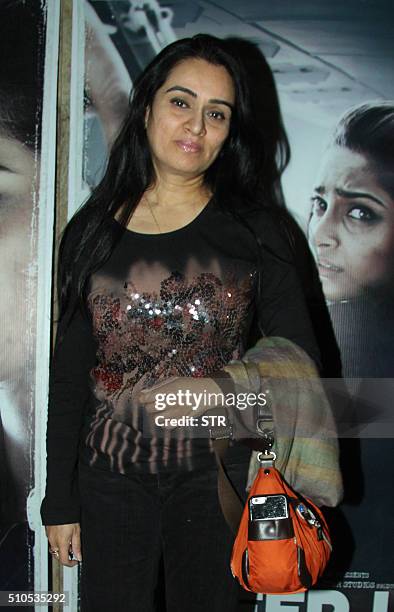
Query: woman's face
point(190, 118)
point(17, 183)
point(351, 228)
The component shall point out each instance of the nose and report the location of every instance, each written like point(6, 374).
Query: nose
point(323, 231)
point(196, 123)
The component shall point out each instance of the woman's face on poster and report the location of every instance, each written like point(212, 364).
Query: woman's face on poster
point(18, 171)
point(351, 228)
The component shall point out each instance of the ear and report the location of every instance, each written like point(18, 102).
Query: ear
point(147, 115)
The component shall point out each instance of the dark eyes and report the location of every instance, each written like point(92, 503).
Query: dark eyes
point(319, 206)
point(212, 114)
point(355, 212)
point(179, 102)
point(217, 115)
point(362, 213)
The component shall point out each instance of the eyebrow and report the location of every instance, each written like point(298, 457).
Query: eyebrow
point(193, 93)
point(344, 193)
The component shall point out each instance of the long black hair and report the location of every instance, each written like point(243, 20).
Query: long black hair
point(245, 175)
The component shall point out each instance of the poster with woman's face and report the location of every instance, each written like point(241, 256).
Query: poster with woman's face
point(330, 60)
point(23, 35)
point(351, 227)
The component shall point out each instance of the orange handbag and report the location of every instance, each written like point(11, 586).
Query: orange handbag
point(283, 543)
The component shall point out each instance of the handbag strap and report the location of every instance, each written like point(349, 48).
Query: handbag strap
point(230, 502)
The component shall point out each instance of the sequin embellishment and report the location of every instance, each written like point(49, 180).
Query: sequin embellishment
point(189, 329)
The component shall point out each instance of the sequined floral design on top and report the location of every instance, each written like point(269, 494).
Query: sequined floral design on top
point(190, 328)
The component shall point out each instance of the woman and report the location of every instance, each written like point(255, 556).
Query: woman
point(158, 286)
point(351, 231)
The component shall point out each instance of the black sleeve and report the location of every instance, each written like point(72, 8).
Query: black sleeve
point(69, 394)
point(282, 308)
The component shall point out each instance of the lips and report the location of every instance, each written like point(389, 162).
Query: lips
point(327, 267)
point(189, 146)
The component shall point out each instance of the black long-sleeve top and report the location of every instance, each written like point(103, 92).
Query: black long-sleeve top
point(181, 303)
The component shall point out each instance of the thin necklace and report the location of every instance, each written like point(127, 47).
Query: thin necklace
point(154, 216)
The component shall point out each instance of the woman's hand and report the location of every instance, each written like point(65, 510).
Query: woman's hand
point(190, 397)
point(65, 542)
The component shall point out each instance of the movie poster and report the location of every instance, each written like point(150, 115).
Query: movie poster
point(330, 60)
point(27, 105)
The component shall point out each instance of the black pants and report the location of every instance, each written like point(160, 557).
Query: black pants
point(132, 525)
